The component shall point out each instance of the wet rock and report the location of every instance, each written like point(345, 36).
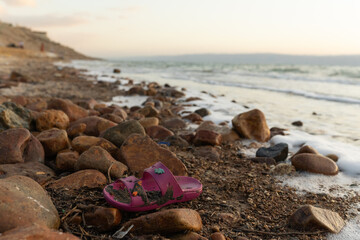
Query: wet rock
point(53, 140)
point(193, 117)
point(279, 152)
point(217, 236)
point(252, 125)
point(297, 123)
point(333, 157)
point(104, 219)
point(66, 160)
point(149, 122)
point(310, 217)
point(73, 111)
point(36, 232)
point(94, 125)
point(191, 99)
point(166, 221)
point(139, 152)
point(174, 124)
point(14, 116)
point(149, 111)
point(188, 236)
point(277, 131)
point(119, 133)
point(158, 132)
point(187, 135)
point(113, 117)
point(86, 178)
point(98, 158)
point(206, 137)
point(306, 149)
point(171, 92)
point(116, 70)
point(83, 143)
point(137, 90)
point(178, 141)
point(76, 130)
point(35, 170)
point(207, 152)
point(282, 169)
point(266, 160)
point(24, 202)
point(52, 119)
point(315, 163)
point(18, 146)
point(203, 112)
point(227, 134)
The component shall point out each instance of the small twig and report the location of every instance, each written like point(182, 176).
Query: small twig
point(108, 172)
point(277, 234)
point(68, 213)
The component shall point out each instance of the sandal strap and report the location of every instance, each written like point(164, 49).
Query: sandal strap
point(137, 193)
point(164, 179)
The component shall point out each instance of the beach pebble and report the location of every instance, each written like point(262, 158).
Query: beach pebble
point(103, 219)
point(252, 125)
point(203, 112)
point(73, 111)
point(112, 117)
point(18, 145)
point(166, 221)
point(333, 157)
point(279, 152)
point(310, 217)
point(53, 140)
point(140, 152)
point(149, 111)
point(116, 70)
point(52, 119)
point(66, 160)
point(24, 202)
point(36, 232)
point(76, 130)
point(171, 92)
point(174, 124)
point(277, 131)
point(207, 137)
point(176, 140)
point(228, 135)
point(217, 236)
point(85, 178)
point(98, 158)
point(38, 105)
point(118, 134)
point(191, 99)
point(83, 143)
point(14, 116)
point(193, 117)
point(158, 132)
point(315, 163)
point(35, 170)
point(306, 149)
point(297, 123)
point(94, 125)
point(136, 90)
point(149, 122)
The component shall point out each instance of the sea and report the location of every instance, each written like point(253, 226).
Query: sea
point(325, 98)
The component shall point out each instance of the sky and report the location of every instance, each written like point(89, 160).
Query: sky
point(122, 28)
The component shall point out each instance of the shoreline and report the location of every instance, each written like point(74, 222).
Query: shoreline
point(240, 198)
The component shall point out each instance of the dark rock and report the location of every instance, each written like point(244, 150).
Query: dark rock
point(297, 123)
point(116, 70)
point(203, 112)
point(176, 140)
point(279, 152)
point(193, 117)
point(277, 131)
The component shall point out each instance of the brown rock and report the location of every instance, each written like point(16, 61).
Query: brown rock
point(35, 170)
point(85, 178)
point(306, 149)
point(140, 152)
point(315, 163)
point(166, 221)
point(38, 106)
point(83, 143)
point(76, 129)
point(25, 202)
point(104, 219)
point(94, 125)
point(227, 134)
point(282, 169)
point(87, 104)
point(174, 124)
point(193, 117)
point(217, 236)
point(207, 152)
point(310, 217)
point(113, 117)
point(206, 137)
point(52, 119)
point(18, 146)
point(66, 160)
point(188, 236)
point(158, 132)
point(53, 140)
point(252, 125)
point(149, 111)
point(333, 157)
point(137, 90)
point(149, 122)
point(36, 232)
point(98, 158)
point(73, 111)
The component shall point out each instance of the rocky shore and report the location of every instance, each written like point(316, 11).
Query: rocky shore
point(61, 143)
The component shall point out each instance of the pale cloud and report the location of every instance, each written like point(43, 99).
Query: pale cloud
point(20, 3)
point(48, 20)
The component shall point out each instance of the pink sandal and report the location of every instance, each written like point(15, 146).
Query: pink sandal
point(157, 188)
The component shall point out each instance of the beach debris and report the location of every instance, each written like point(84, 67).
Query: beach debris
point(279, 152)
point(121, 233)
point(314, 163)
point(310, 217)
point(252, 125)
